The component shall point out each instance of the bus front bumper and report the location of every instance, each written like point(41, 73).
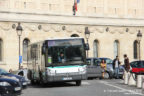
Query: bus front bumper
point(58, 78)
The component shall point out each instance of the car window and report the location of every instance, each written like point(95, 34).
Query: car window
point(2, 71)
point(89, 61)
point(135, 64)
point(21, 73)
point(132, 64)
point(96, 62)
point(108, 61)
point(142, 64)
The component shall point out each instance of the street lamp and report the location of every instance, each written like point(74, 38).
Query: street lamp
point(87, 35)
point(139, 37)
point(19, 30)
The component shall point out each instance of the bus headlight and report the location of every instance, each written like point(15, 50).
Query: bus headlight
point(82, 70)
point(51, 72)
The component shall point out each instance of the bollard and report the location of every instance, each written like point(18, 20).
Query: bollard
point(143, 84)
point(139, 81)
point(131, 79)
point(126, 77)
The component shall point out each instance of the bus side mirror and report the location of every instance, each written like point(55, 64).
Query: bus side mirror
point(86, 46)
point(43, 49)
point(88, 63)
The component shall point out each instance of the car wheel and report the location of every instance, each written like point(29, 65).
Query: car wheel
point(78, 83)
point(106, 75)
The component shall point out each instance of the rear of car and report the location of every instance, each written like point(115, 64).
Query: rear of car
point(9, 86)
point(137, 67)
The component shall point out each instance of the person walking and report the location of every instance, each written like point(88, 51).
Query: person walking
point(126, 63)
point(116, 64)
point(103, 66)
point(127, 69)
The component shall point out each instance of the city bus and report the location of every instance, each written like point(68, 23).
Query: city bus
point(45, 66)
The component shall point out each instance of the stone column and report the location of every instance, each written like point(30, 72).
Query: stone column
point(105, 7)
point(125, 7)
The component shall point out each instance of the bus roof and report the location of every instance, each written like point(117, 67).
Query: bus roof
point(55, 38)
point(63, 38)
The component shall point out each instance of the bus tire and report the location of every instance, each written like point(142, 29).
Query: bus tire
point(29, 75)
point(33, 82)
point(78, 83)
point(41, 81)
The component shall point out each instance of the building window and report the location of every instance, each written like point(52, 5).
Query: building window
point(25, 48)
point(135, 47)
point(96, 48)
point(1, 47)
point(74, 35)
point(116, 48)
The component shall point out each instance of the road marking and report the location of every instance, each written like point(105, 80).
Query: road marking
point(124, 90)
point(85, 83)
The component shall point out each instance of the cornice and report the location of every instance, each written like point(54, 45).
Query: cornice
point(73, 20)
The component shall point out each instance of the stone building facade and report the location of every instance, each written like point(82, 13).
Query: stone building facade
point(113, 26)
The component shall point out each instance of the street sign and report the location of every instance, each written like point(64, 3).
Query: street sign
point(20, 59)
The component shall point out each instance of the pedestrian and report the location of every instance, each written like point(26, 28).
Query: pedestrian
point(61, 58)
point(126, 63)
point(21, 68)
point(127, 69)
point(103, 66)
point(10, 70)
point(116, 64)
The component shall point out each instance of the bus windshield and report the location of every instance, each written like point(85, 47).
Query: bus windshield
point(66, 52)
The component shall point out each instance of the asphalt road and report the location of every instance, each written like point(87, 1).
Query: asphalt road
point(114, 87)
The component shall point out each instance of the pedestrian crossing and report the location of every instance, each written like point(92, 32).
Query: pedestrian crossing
point(85, 83)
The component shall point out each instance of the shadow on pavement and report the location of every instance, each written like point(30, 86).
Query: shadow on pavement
point(53, 85)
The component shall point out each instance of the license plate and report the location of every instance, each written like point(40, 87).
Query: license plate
point(67, 78)
point(24, 83)
point(17, 88)
point(120, 72)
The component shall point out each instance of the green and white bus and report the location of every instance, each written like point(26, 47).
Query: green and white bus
point(44, 64)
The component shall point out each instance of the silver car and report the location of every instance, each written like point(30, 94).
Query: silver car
point(94, 69)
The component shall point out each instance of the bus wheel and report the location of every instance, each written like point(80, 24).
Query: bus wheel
point(78, 83)
point(33, 82)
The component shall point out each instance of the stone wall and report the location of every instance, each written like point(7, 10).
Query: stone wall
point(107, 20)
point(106, 35)
point(96, 8)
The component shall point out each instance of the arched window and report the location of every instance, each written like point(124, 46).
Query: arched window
point(135, 47)
point(1, 47)
point(116, 48)
point(74, 35)
point(96, 48)
point(25, 48)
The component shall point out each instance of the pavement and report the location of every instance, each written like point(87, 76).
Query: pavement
point(95, 87)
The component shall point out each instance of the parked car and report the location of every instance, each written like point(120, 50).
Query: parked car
point(24, 73)
point(9, 86)
point(137, 67)
point(21, 79)
point(93, 68)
